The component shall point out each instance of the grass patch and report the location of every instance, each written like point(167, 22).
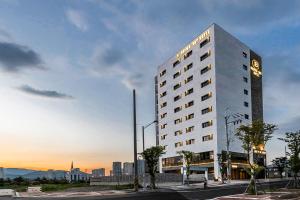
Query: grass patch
point(59, 187)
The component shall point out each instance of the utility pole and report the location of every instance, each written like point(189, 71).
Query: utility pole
point(143, 137)
point(136, 178)
point(236, 120)
point(227, 149)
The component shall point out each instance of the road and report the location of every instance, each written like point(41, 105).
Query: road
point(184, 194)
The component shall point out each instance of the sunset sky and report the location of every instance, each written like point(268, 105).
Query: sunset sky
point(67, 69)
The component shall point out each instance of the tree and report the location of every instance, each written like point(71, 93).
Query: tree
point(281, 164)
point(222, 158)
point(293, 141)
point(151, 156)
point(188, 157)
point(254, 138)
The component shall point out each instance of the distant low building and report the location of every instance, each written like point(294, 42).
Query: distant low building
point(77, 175)
point(128, 168)
point(98, 172)
point(2, 174)
point(117, 168)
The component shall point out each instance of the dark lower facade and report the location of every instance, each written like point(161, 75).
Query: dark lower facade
point(205, 162)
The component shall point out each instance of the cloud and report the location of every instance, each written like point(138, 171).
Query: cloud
point(77, 18)
point(15, 57)
point(4, 35)
point(109, 61)
point(44, 93)
point(281, 80)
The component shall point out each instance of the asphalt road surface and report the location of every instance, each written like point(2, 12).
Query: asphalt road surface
point(184, 194)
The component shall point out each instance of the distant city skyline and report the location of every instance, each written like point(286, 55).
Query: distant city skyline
point(67, 69)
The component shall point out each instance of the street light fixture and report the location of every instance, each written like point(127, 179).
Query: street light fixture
point(236, 120)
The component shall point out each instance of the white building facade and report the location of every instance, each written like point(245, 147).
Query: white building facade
point(213, 76)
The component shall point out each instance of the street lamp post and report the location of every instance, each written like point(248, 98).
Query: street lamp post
point(236, 120)
point(143, 132)
point(143, 138)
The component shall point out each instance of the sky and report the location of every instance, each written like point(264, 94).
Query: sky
point(67, 70)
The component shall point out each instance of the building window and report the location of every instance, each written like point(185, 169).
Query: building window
point(177, 86)
point(206, 110)
point(246, 104)
point(176, 74)
point(188, 79)
point(163, 115)
point(163, 83)
point(205, 69)
point(189, 129)
point(177, 97)
point(204, 56)
point(205, 97)
point(176, 63)
point(163, 94)
point(177, 121)
point(206, 124)
point(190, 116)
point(163, 137)
point(178, 144)
point(245, 79)
point(188, 54)
point(188, 67)
point(164, 104)
point(245, 92)
point(246, 116)
point(189, 104)
point(163, 126)
point(189, 142)
point(165, 147)
point(202, 44)
point(190, 91)
point(179, 132)
point(205, 83)
point(207, 137)
point(177, 109)
point(245, 55)
point(162, 73)
point(245, 67)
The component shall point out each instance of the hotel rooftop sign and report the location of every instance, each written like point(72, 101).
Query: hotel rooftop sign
point(186, 49)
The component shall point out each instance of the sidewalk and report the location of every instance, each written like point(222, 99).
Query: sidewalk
point(214, 184)
point(7, 192)
point(72, 194)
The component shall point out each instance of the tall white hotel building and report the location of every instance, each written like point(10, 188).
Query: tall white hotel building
point(212, 76)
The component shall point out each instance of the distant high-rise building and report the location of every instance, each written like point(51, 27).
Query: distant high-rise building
point(128, 168)
point(117, 168)
point(141, 166)
point(213, 76)
point(2, 174)
point(98, 172)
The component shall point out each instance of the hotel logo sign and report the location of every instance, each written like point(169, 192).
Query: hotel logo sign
point(256, 68)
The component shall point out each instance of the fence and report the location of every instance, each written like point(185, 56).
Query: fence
point(161, 179)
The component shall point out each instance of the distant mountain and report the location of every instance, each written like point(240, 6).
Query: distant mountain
point(51, 174)
point(15, 172)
